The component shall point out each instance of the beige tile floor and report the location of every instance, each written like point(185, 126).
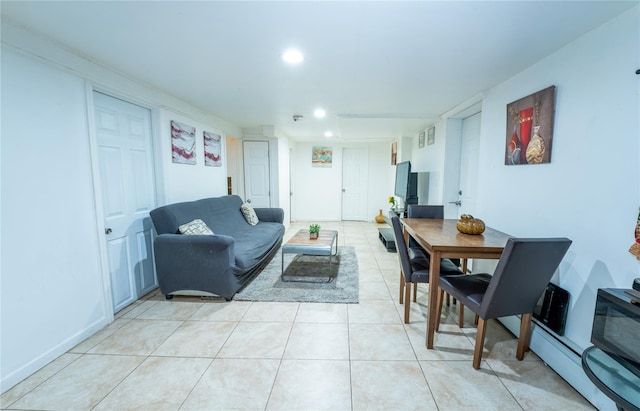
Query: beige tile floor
point(193, 354)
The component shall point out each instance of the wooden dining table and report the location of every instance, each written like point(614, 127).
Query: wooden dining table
point(441, 239)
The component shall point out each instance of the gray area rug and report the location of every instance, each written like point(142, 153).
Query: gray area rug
point(342, 288)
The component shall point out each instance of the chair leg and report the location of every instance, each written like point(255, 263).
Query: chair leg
point(407, 302)
point(523, 341)
point(477, 353)
point(461, 316)
point(440, 300)
point(401, 287)
point(415, 291)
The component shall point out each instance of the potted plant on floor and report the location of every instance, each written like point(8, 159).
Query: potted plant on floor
point(314, 229)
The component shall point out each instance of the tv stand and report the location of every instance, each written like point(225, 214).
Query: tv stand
point(385, 234)
point(387, 238)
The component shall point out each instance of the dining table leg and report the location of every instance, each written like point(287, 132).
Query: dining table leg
point(434, 278)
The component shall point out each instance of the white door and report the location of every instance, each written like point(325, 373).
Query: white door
point(469, 164)
point(123, 133)
point(355, 170)
point(256, 173)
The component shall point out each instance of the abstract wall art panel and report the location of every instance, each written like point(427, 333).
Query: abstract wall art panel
point(183, 143)
point(212, 149)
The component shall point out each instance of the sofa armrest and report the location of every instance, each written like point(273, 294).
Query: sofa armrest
point(270, 214)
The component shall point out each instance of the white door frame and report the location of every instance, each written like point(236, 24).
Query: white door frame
point(97, 184)
point(468, 179)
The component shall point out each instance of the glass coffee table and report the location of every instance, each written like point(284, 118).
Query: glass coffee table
point(325, 245)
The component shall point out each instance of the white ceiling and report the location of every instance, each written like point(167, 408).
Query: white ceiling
point(381, 70)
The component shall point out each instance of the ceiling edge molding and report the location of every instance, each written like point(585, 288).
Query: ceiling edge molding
point(457, 111)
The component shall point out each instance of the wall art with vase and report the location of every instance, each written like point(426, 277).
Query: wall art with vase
point(530, 128)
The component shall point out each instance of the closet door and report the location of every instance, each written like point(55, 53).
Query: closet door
point(256, 173)
point(355, 176)
point(127, 190)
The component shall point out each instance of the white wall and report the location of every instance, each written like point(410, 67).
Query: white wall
point(51, 284)
point(185, 182)
point(317, 191)
point(52, 288)
point(442, 160)
point(589, 191)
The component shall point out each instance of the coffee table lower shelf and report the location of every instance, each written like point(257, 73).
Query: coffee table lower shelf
point(325, 245)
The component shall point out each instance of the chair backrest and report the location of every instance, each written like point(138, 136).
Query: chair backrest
point(401, 248)
point(425, 211)
point(523, 272)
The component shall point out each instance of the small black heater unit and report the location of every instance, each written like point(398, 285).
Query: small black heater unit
point(551, 309)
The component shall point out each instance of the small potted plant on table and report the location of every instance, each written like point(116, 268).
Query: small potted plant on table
point(314, 229)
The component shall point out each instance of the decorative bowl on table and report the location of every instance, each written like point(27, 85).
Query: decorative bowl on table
point(469, 225)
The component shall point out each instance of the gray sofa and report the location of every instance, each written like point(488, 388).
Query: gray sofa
point(219, 264)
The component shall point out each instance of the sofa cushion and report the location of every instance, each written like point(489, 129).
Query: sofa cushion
point(249, 214)
point(255, 242)
point(195, 227)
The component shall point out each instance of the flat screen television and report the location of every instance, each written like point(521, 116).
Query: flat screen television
point(406, 183)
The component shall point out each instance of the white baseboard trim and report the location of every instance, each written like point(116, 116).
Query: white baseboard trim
point(13, 378)
point(563, 360)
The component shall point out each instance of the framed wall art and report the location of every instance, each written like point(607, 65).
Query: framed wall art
point(394, 153)
point(530, 128)
point(321, 156)
point(212, 149)
point(421, 140)
point(183, 143)
point(431, 135)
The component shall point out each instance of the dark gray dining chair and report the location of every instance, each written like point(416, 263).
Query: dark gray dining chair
point(410, 273)
point(417, 254)
point(521, 276)
point(426, 211)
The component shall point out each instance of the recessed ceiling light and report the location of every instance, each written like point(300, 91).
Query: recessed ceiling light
point(292, 56)
point(328, 134)
point(319, 113)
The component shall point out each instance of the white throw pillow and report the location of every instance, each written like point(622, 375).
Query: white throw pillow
point(195, 227)
point(249, 214)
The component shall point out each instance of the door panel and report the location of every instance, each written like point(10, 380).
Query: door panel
point(122, 287)
point(469, 164)
point(145, 274)
point(256, 173)
point(355, 167)
point(123, 133)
